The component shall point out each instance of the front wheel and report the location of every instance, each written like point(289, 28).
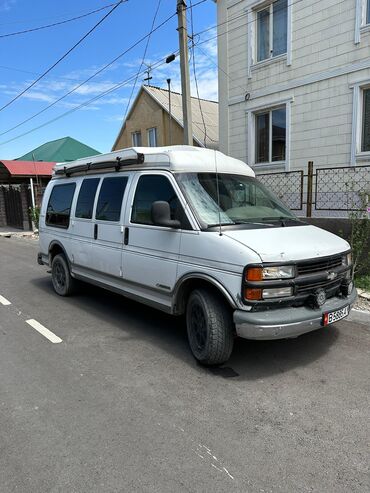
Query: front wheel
point(63, 282)
point(210, 327)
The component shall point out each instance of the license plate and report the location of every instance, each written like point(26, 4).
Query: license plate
point(331, 317)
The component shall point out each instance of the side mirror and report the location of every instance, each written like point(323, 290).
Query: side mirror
point(161, 215)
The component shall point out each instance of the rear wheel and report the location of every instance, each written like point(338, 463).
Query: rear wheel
point(210, 327)
point(63, 282)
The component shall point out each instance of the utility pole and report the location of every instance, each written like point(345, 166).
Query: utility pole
point(169, 113)
point(185, 77)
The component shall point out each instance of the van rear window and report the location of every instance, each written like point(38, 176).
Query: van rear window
point(59, 206)
point(86, 198)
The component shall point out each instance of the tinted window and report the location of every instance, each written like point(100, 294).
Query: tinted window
point(59, 206)
point(151, 188)
point(110, 199)
point(86, 197)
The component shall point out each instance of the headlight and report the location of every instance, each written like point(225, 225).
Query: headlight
point(276, 293)
point(268, 273)
point(282, 272)
point(347, 259)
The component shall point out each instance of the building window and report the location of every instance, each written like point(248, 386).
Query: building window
point(368, 12)
point(365, 140)
point(152, 137)
point(136, 139)
point(270, 132)
point(272, 30)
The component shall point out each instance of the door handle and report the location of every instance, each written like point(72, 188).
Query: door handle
point(95, 231)
point(126, 236)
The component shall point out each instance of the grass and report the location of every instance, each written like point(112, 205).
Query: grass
point(363, 282)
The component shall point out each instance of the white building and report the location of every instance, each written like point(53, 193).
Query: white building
point(294, 82)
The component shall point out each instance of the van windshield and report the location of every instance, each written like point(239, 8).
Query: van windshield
point(232, 199)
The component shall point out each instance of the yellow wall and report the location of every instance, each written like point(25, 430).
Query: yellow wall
point(146, 114)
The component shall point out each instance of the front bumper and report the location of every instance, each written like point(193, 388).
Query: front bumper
point(286, 322)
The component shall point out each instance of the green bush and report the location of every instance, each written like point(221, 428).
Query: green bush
point(35, 215)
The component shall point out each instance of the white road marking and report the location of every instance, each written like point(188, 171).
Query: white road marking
point(44, 331)
point(227, 472)
point(4, 301)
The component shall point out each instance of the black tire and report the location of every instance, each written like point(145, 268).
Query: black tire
point(210, 327)
point(63, 282)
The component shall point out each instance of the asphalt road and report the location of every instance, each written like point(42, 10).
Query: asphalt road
point(121, 406)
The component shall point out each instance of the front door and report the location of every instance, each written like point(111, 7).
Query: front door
point(151, 252)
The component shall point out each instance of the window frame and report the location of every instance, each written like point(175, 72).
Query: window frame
point(149, 130)
point(357, 123)
point(59, 226)
point(133, 134)
point(269, 111)
point(362, 22)
point(252, 137)
point(252, 11)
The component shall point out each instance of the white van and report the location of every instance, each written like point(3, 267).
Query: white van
point(191, 231)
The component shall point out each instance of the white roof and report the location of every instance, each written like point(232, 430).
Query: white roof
point(173, 158)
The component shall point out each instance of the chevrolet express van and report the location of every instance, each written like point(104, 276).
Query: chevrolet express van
point(192, 231)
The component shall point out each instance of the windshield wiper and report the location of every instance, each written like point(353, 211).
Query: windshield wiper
point(282, 219)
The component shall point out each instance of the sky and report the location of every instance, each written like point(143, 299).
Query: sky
point(24, 57)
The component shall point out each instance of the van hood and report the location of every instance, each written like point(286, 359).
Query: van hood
point(289, 243)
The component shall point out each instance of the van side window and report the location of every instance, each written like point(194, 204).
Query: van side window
point(86, 197)
point(151, 188)
point(59, 206)
point(110, 199)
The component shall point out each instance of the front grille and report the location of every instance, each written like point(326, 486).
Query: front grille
point(319, 265)
point(324, 284)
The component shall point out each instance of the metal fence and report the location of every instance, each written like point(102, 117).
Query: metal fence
point(325, 192)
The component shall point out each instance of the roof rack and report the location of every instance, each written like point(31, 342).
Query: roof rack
point(85, 167)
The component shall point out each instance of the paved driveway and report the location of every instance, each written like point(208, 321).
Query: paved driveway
point(120, 404)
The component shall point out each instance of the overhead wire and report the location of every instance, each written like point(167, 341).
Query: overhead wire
point(143, 57)
point(117, 86)
point(102, 69)
point(63, 56)
point(195, 73)
point(54, 24)
point(96, 73)
point(159, 63)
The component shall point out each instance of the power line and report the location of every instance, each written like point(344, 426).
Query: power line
point(63, 56)
point(7, 35)
point(195, 73)
point(91, 77)
point(86, 103)
point(143, 57)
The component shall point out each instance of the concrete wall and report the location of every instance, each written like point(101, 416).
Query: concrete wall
point(315, 79)
point(148, 114)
